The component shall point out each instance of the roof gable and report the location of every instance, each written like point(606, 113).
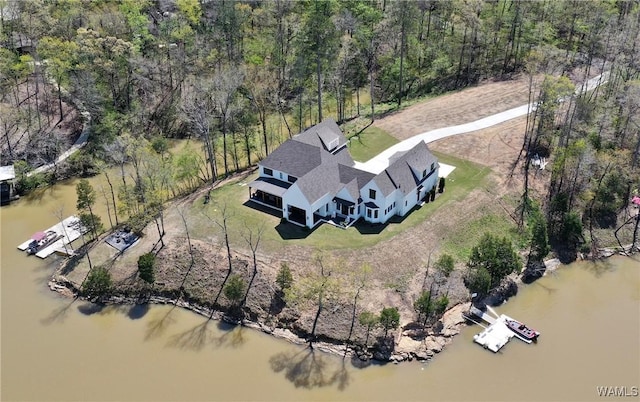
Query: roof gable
point(405, 170)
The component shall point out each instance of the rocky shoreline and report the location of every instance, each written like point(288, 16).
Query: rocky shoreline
point(411, 343)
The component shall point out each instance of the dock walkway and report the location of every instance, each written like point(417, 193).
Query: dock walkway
point(69, 228)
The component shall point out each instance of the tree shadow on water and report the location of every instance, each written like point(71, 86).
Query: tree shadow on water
point(89, 308)
point(310, 369)
point(138, 311)
point(158, 325)
point(192, 339)
point(204, 334)
point(59, 314)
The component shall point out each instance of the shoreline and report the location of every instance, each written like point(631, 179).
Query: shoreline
point(409, 344)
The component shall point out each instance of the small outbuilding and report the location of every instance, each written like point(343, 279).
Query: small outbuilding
point(7, 187)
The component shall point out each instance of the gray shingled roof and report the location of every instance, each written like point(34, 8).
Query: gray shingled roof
point(320, 172)
point(322, 134)
point(320, 181)
point(399, 172)
point(294, 158)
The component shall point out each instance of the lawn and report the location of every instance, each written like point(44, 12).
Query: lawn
point(370, 143)
point(234, 197)
point(460, 242)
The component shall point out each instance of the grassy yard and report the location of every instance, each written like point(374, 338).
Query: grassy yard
point(242, 215)
point(460, 242)
point(370, 143)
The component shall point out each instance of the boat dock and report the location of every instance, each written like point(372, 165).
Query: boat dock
point(497, 334)
point(69, 228)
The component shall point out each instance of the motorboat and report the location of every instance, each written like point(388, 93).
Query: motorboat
point(522, 330)
point(41, 240)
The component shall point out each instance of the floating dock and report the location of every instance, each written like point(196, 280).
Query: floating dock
point(70, 229)
point(497, 334)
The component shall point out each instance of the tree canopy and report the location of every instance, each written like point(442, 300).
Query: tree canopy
point(496, 255)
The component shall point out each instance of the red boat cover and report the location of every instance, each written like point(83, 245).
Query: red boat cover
point(39, 236)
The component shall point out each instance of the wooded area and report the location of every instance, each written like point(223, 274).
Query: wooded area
point(242, 76)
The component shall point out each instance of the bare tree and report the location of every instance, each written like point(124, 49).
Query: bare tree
point(199, 108)
point(226, 83)
point(222, 222)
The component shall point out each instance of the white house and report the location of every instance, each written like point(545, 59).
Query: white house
point(311, 178)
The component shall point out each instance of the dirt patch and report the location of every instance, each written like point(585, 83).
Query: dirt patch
point(457, 108)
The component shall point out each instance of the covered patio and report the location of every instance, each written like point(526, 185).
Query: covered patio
point(268, 192)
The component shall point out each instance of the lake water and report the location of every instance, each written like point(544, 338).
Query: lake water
point(55, 349)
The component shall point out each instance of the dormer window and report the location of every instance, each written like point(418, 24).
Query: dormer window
point(267, 172)
point(424, 172)
point(433, 166)
point(333, 144)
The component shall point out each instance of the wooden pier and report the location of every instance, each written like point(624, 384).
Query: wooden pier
point(69, 228)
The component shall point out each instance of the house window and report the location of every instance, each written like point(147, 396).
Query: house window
point(350, 210)
point(433, 165)
point(268, 172)
point(368, 213)
point(375, 214)
point(372, 194)
point(281, 177)
point(424, 172)
point(292, 179)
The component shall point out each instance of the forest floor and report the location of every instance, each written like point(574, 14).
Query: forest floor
point(400, 262)
point(47, 136)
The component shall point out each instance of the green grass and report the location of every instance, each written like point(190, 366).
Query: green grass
point(276, 235)
point(466, 176)
point(370, 143)
point(462, 180)
point(460, 242)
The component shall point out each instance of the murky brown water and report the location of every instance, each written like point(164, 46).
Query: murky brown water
point(53, 349)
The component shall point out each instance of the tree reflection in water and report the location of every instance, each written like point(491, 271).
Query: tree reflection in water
point(310, 369)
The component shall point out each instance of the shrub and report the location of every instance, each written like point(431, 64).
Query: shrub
point(389, 318)
point(146, 267)
point(98, 282)
point(234, 289)
point(284, 279)
point(441, 185)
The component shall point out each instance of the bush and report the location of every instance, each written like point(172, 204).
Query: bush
point(389, 318)
point(146, 267)
point(234, 289)
point(478, 281)
point(423, 305)
point(284, 279)
point(441, 185)
point(496, 255)
point(441, 304)
point(98, 282)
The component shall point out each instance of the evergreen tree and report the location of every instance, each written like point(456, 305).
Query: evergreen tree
point(389, 319)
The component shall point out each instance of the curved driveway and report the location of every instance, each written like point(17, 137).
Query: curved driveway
point(380, 162)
